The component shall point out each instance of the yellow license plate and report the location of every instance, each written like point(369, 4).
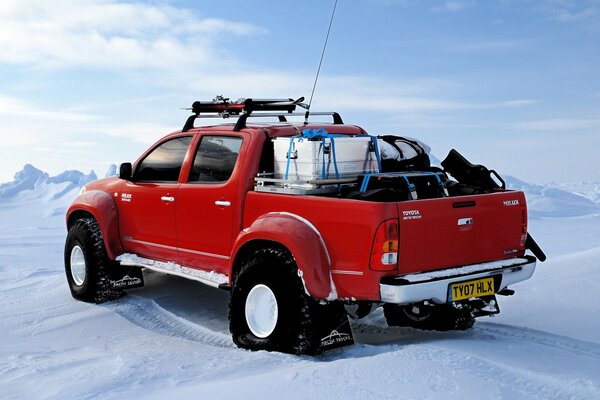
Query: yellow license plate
point(466, 290)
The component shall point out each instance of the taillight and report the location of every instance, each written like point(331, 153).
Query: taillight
point(384, 253)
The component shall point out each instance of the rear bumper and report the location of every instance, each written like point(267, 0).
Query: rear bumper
point(433, 286)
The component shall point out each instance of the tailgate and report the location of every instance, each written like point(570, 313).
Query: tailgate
point(454, 231)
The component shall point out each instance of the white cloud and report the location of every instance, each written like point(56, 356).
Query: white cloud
point(493, 45)
point(585, 12)
point(11, 106)
point(452, 6)
point(106, 34)
point(146, 133)
point(560, 124)
point(518, 103)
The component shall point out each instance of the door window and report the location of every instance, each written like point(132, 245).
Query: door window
point(163, 164)
point(215, 159)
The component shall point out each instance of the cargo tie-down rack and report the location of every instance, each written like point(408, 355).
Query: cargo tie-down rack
point(221, 107)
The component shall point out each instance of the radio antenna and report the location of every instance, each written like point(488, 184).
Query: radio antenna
point(320, 62)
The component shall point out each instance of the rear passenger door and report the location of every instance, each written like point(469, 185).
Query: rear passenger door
point(208, 215)
point(147, 203)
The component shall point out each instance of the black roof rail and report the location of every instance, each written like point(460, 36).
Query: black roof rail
point(221, 107)
point(241, 122)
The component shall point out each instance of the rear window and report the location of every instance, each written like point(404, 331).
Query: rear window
point(215, 159)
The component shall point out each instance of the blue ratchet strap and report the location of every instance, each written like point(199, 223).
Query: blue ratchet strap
point(411, 187)
point(365, 183)
point(314, 133)
point(323, 171)
point(337, 173)
point(440, 182)
point(289, 156)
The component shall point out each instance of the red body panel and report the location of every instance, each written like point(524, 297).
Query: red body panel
point(294, 233)
point(347, 228)
point(102, 206)
point(206, 226)
point(331, 239)
point(146, 222)
point(431, 236)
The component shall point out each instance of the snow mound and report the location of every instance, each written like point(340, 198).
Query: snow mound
point(75, 177)
point(550, 201)
point(25, 180)
point(588, 189)
point(112, 171)
point(33, 184)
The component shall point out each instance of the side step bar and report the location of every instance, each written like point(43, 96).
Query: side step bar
point(213, 279)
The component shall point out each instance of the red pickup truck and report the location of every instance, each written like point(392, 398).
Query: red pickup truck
point(204, 204)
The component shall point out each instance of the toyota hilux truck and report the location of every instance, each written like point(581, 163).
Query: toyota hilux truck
point(225, 206)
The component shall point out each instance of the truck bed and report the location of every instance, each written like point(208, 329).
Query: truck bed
point(434, 233)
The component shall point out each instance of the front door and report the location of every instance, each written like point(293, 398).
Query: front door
point(208, 216)
point(147, 203)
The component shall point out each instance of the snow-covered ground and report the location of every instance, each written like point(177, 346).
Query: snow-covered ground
point(170, 339)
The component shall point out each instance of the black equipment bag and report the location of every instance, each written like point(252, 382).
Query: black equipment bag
point(383, 195)
point(470, 174)
point(406, 186)
point(407, 160)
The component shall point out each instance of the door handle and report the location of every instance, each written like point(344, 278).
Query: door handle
point(223, 203)
point(465, 221)
point(168, 199)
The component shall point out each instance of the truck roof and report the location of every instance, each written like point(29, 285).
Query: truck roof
point(283, 128)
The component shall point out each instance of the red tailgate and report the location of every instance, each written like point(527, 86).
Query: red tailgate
point(448, 232)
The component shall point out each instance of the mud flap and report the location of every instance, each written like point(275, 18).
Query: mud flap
point(125, 277)
point(333, 327)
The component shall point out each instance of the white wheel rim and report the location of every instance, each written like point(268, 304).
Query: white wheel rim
point(78, 265)
point(261, 311)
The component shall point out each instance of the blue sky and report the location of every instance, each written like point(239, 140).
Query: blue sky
point(511, 84)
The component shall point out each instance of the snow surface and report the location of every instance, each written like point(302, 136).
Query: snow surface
point(170, 339)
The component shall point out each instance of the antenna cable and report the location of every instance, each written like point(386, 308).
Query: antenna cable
point(320, 62)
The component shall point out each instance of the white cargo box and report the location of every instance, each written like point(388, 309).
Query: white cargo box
point(314, 159)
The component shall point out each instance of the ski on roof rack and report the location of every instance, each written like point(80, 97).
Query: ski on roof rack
point(222, 107)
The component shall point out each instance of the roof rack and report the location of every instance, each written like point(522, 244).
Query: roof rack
point(221, 107)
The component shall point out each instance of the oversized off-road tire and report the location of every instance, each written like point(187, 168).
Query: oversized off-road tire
point(269, 309)
point(87, 264)
point(438, 317)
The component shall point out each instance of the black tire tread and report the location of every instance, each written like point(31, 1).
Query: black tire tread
point(275, 265)
point(96, 287)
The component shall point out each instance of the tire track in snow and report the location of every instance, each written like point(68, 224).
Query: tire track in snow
point(510, 380)
point(147, 314)
point(476, 352)
point(540, 337)
point(481, 330)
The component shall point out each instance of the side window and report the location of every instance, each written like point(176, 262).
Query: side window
point(215, 158)
point(164, 162)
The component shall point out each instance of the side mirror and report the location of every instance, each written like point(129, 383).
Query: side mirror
point(125, 171)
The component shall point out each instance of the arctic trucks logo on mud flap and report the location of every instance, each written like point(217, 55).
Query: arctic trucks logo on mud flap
point(335, 338)
point(126, 281)
point(411, 214)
